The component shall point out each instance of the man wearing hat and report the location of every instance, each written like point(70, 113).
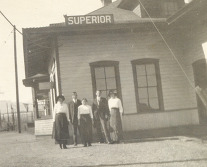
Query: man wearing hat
point(101, 115)
point(73, 115)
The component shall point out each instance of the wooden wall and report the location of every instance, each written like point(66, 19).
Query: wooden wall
point(76, 52)
point(43, 127)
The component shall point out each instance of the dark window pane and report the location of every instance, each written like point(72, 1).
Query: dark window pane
point(109, 72)
point(154, 103)
point(143, 101)
point(111, 83)
point(111, 90)
point(142, 82)
point(152, 80)
point(100, 84)
point(140, 70)
point(143, 105)
point(142, 93)
point(99, 73)
point(152, 92)
point(104, 93)
point(150, 69)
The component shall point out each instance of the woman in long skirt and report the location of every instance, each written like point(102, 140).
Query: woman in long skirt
point(85, 119)
point(61, 121)
point(116, 111)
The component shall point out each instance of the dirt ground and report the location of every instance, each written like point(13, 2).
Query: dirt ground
point(25, 150)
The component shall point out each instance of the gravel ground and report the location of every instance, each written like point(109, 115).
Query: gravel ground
point(24, 150)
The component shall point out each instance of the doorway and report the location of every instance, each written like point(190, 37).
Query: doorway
point(200, 77)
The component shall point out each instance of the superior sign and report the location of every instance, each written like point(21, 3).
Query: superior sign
point(94, 19)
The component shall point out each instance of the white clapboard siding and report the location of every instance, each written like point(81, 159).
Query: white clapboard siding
point(43, 127)
point(76, 52)
point(160, 120)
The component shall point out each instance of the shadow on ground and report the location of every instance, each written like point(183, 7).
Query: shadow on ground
point(149, 163)
point(196, 131)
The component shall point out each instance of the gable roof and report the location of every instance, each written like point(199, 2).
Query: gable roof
point(37, 41)
point(122, 15)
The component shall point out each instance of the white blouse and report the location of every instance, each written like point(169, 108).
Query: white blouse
point(85, 109)
point(115, 103)
point(61, 108)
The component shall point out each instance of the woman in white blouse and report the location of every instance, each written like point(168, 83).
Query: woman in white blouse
point(61, 121)
point(85, 119)
point(116, 111)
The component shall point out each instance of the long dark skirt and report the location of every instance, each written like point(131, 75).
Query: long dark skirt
point(86, 128)
point(116, 131)
point(60, 129)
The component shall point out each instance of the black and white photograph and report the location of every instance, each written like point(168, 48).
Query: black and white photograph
point(103, 83)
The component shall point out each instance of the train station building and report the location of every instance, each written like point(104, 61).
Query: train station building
point(151, 52)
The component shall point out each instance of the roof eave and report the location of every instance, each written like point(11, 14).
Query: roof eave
point(31, 82)
point(25, 52)
point(85, 28)
point(185, 10)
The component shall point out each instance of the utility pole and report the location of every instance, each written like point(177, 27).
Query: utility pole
point(16, 77)
point(0, 119)
point(16, 73)
point(0, 114)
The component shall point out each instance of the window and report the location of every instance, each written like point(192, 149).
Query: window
point(105, 77)
point(43, 103)
point(147, 85)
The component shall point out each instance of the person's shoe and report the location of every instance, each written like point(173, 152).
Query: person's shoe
point(60, 146)
point(101, 142)
point(89, 144)
point(64, 146)
point(110, 142)
point(75, 144)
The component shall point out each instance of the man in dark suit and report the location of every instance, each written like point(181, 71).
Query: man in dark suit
point(73, 115)
point(101, 115)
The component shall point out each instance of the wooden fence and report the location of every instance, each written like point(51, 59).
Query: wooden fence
point(9, 122)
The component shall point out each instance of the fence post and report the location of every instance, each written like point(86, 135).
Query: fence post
point(32, 116)
point(7, 111)
point(13, 121)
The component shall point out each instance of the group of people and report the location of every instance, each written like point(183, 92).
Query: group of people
point(83, 117)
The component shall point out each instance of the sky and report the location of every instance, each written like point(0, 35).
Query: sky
point(26, 14)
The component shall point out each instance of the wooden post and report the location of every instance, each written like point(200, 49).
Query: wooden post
point(13, 120)
point(16, 77)
point(7, 112)
point(0, 119)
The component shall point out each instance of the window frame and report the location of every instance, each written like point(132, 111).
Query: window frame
point(158, 78)
point(99, 64)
